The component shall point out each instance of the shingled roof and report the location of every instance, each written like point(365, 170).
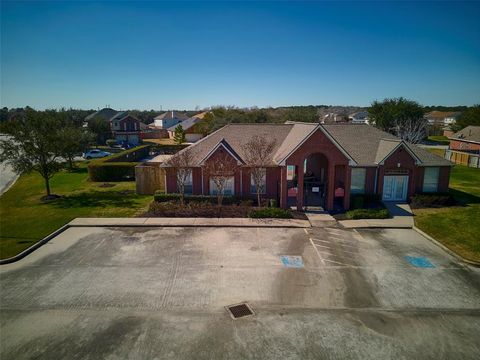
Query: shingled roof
point(363, 144)
point(470, 133)
point(105, 114)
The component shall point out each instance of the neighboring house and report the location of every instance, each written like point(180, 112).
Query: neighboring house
point(467, 140)
point(169, 119)
point(193, 132)
point(334, 118)
point(126, 129)
point(320, 165)
point(442, 118)
point(105, 114)
point(360, 117)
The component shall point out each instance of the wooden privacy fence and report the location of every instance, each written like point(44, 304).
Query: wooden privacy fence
point(463, 158)
point(149, 178)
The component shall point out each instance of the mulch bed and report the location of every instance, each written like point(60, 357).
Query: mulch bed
point(203, 209)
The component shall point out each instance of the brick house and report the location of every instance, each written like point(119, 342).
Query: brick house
point(467, 140)
point(320, 165)
point(126, 129)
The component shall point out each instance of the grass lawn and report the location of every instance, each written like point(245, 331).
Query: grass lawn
point(457, 227)
point(439, 152)
point(164, 141)
point(440, 139)
point(25, 219)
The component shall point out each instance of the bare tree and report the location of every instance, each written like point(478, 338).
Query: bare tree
point(182, 164)
point(219, 169)
point(410, 130)
point(258, 153)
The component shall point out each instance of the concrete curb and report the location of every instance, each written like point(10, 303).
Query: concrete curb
point(34, 246)
point(69, 225)
point(451, 252)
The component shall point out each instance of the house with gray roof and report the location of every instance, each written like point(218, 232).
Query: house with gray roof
point(193, 132)
point(169, 119)
point(319, 165)
point(467, 140)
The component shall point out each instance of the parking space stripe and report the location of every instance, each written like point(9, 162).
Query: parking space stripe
point(316, 250)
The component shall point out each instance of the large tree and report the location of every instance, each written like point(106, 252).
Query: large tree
point(220, 169)
point(179, 135)
point(33, 143)
point(258, 151)
point(399, 116)
point(74, 140)
point(468, 117)
point(101, 128)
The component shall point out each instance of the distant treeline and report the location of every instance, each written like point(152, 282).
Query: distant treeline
point(230, 114)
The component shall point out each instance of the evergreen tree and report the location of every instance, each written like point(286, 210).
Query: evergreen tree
point(179, 136)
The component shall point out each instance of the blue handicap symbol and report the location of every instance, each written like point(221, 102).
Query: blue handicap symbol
point(421, 261)
point(292, 261)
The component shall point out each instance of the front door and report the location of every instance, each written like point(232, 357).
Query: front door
point(395, 188)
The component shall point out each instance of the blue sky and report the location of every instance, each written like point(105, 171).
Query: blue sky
point(148, 55)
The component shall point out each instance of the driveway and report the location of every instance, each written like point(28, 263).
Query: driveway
point(159, 293)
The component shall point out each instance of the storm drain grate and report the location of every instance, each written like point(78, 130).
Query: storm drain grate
point(239, 310)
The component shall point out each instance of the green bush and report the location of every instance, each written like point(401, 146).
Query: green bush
point(118, 167)
point(104, 171)
point(361, 201)
point(130, 155)
point(367, 214)
point(357, 202)
point(431, 200)
point(271, 212)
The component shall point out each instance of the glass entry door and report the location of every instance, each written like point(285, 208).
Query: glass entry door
point(395, 188)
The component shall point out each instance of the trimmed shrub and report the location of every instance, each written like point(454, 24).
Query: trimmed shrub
point(130, 155)
point(431, 200)
point(104, 171)
point(118, 167)
point(357, 202)
point(367, 214)
point(270, 213)
point(361, 201)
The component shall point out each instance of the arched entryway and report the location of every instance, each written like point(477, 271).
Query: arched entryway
point(315, 180)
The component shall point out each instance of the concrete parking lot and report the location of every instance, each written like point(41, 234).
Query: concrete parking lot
point(160, 293)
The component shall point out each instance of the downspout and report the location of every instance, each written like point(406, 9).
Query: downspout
point(202, 181)
point(166, 188)
point(376, 180)
point(241, 182)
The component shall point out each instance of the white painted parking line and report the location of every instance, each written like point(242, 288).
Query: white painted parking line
point(316, 250)
point(334, 243)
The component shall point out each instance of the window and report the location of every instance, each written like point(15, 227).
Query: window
point(228, 190)
point(290, 172)
point(430, 179)
point(358, 181)
point(188, 186)
point(263, 184)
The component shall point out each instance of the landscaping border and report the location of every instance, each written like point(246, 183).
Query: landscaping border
point(451, 252)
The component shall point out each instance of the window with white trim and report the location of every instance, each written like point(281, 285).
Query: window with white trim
point(263, 184)
point(430, 179)
point(357, 185)
point(228, 190)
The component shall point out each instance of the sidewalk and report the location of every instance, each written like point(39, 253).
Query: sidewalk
point(402, 217)
point(189, 222)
